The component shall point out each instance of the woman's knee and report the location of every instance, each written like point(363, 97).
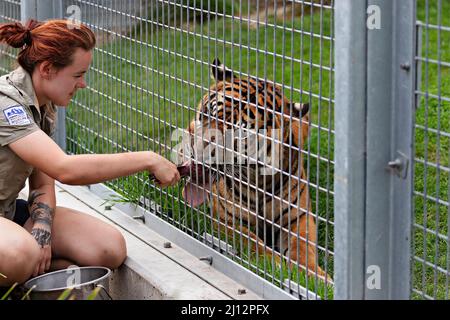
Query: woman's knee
point(112, 252)
point(116, 252)
point(19, 259)
point(99, 243)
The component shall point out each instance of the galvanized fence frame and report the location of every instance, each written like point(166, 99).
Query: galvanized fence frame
point(375, 98)
point(375, 78)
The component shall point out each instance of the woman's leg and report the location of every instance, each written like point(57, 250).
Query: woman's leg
point(83, 240)
point(19, 253)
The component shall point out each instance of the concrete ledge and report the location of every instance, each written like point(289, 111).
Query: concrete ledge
point(151, 271)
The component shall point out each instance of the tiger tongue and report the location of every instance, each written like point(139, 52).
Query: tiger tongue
point(194, 194)
point(196, 190)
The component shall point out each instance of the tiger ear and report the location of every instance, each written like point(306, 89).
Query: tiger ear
point(300, 130)
point(300, 110)
point(220, 73)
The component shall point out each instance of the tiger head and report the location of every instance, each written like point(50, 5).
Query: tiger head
point(244, 128)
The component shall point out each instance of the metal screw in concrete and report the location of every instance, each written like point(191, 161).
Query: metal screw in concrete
point(242, 291)
point(209, 259)
point(141, 217)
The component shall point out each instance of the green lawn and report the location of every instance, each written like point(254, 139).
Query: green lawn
point(432, 147)
point(151, 85)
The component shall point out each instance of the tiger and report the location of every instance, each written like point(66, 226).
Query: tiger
point(266, 204)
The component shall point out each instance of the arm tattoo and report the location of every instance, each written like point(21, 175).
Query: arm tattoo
point(39, 211)
point(42, 236)
point(33, 196)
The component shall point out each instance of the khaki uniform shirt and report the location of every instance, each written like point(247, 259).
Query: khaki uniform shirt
point(20, 115)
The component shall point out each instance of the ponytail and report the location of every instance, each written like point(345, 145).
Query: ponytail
point(16, 35)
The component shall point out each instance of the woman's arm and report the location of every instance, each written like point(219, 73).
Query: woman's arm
point(41, 199)
point(42, 206)
point(43, 153)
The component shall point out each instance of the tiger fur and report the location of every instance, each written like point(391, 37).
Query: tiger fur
point(271, 213)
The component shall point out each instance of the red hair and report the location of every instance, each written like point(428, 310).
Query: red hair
point(54, 41)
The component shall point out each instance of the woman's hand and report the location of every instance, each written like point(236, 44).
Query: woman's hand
point(44, 261)
point(165, 172)
point(43, 238)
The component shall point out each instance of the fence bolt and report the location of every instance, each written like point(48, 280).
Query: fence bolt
point(400, 165)
point(209, 259)
point(242, 291)
point(405, 66)
point(167, 245)
point(141, 217)
point(395, 164)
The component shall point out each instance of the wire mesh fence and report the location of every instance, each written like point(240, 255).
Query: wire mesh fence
point(151, 76)
point(431, 246)
point(244, 92)
point(9, 12)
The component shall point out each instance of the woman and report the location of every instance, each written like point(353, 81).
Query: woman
point(36, 235)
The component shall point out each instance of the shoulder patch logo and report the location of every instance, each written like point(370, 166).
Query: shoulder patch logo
point(16, 116)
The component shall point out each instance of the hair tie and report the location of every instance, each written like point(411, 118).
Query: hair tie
point(27, 39)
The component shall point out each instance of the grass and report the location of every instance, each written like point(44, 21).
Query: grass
point(431, 232)
point(153, 85)
point(156, 85)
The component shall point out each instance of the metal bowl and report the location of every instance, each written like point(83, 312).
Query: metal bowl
point(82, 280)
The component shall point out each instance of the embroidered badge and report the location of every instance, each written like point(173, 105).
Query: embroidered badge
point(16, 116)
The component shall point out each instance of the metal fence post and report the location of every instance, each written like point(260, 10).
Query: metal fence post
point(350, 106)
point(373, 183)
point(43, 10)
